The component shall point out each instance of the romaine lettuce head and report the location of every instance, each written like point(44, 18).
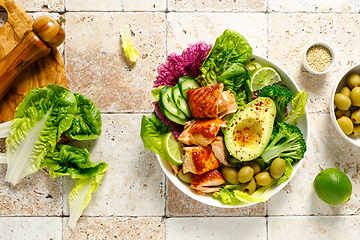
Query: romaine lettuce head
point(87, 122)
point(41, 117)
point(69, 160)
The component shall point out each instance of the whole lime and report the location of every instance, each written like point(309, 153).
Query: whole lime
point(333, 186)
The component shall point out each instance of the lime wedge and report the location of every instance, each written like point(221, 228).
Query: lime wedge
point(264, 76)
point(172, 149)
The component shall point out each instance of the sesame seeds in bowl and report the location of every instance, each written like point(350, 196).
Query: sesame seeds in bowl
point(319, 58)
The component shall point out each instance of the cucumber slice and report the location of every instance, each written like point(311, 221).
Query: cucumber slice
point(171, 117)
point(180, 101)
point(168, 103)
point(186, 83)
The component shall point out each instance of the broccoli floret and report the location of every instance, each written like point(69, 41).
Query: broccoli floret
point(281, 96)
point(286, 141)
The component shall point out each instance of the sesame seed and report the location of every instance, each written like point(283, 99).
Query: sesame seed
point(318, 58)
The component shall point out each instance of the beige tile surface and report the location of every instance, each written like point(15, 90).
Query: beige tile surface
point(42, 5)
point(213, 228)
point(126, 228)
point(190, 28)
point(97, 67)
point(36, 195)
point(222, 5)
point(320, 228)
point(313, 6)
point(134, 182)
point(31, 228)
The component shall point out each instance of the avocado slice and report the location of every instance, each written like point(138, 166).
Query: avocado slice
point(249, 130)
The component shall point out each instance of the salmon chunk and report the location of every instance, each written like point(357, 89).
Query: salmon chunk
point(227, 104)
point(201, 132)
point(204, 101)
point(198, 160)
point(218, 148)
point(207, 182)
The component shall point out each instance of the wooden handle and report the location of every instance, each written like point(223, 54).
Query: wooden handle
point(36, 43)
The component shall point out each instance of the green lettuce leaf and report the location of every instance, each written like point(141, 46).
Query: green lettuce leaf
point(236, 79)
point(156, 92)
point(152, 132)
point(226, 195)
point(80, 195)
point(262, 194)
point(69, 160)
point(230, 48)
point(40, 118)
point(87, 122)
point(128, 47)
point(298, 107)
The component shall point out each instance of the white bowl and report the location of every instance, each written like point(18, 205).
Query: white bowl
point(355, 140)
point(207, 199)
point(331, 50)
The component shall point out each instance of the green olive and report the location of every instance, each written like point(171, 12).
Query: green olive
point(277, 167)
point(185, 177)
point(345, 91)
point(355, 116)
point(245, 174)
point(355, 96)
point(340, 113)
point(356, 130)
point(230, 174)
point(249, 187)
point(346, 125)
point(342, 102)
point(263, 179)
point(254, 165)
point(353, 80)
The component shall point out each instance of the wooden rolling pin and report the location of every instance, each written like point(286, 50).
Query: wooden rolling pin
point(36, 43)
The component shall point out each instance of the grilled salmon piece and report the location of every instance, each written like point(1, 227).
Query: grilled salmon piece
point(218, 148)
point(207, 182)
point(199, 159)
point(227, 103)
point(201, 132)
point(204, 101)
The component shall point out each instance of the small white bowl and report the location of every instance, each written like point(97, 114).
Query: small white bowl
point(207, 199)
point(355, 140)
point(331, 50)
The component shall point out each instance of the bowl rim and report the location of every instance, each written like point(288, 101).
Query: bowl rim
point(207, 199)
point(353, 140)
point(332, 52)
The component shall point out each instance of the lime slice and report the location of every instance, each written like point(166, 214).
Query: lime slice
point(172, 149)
point(264, 76)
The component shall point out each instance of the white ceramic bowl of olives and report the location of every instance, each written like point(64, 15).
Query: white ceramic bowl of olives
point(345, 106)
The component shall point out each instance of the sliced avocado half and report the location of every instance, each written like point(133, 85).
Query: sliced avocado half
point(249, 130)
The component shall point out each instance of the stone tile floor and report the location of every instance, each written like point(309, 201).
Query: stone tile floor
point(135, 200)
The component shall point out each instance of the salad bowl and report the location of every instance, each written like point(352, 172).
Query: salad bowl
point(302, 123)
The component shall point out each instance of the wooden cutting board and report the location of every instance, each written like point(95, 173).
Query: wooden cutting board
point(47, 70)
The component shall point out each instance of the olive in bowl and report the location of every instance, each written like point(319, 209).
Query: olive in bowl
point(345, 106)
